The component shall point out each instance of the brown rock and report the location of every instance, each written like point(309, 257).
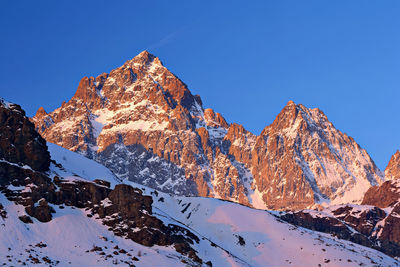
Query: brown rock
point(19, 142)
point(384, 195)
point(392, 170)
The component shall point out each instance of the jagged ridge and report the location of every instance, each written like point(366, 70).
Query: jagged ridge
point(143, 123)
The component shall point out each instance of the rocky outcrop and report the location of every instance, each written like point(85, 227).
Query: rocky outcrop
point(19, 142)
point(392, 170)
point(383, 196)
point(143, 123)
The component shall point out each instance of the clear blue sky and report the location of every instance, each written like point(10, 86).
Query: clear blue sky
point(245, 60)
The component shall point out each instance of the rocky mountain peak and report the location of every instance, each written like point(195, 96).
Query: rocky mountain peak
point(296, 117)
point(303, 148)
point(143, 122)
point(144, 59)
point(392, 170)
point(214, 119)
point(40, 112)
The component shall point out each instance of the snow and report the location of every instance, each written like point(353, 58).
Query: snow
point(68, 238)
point(256, 200)
point(77, 165)
point(15, 164)
point(143, 125)
point(97, 125)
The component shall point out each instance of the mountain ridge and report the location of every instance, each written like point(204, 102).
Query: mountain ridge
point(143, 110)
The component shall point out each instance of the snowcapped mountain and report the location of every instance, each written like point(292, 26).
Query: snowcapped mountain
point(143, 123)
point(58, 208)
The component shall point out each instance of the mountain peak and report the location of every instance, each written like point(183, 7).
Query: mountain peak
point(40, 112)
point(145, 54)
point(297, 115)
point(145, 58)
point(392, 170)
point(290, 103)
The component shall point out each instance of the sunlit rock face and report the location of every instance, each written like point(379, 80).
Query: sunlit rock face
point(392, 170)
point(302, 159)
point(143, 123)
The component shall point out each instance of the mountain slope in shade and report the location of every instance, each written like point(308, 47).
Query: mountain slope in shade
point(144, 124)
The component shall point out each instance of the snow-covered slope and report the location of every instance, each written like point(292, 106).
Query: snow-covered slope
point(252, 237)
point(258, 237)
point(74, 164)
point(72, 239)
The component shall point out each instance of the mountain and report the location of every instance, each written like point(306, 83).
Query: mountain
point(58, 208)
point(143, 123)
point(392, 170)
point(302, 159)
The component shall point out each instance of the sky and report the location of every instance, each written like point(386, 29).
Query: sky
point(246, 59)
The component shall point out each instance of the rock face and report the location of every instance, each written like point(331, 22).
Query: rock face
point(19, 142)
point(144, 124)
point(392, 170)
point(301, 159)
point(383, 196)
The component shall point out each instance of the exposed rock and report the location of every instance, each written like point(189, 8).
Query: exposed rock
point(40, 113)
point(25, 219)
point(384, 195)
point(19, 142)
point(3, 213)
point(42, 211)
point(392, 170)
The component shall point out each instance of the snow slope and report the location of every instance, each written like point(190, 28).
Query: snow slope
point(67, 240)
point(259, 238)
point(75, 164)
